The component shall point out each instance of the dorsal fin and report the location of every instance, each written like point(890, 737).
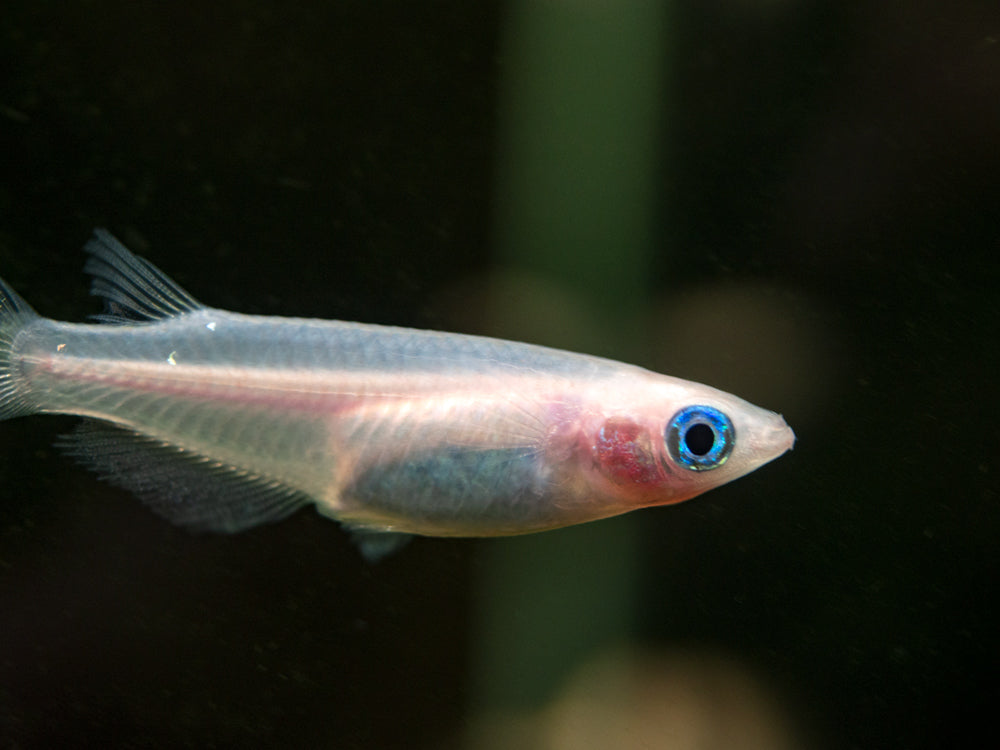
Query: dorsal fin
point(134, 290)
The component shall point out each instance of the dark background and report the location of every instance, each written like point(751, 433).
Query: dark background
point(337, 159)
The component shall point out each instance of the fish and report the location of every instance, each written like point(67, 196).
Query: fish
point(220, 421)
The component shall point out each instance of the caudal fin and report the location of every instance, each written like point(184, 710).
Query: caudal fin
point(15, 313)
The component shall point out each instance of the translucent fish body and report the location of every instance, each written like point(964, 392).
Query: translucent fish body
point(222, 421)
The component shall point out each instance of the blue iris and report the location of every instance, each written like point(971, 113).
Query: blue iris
point(700, 438)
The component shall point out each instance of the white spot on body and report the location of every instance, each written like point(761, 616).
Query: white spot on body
point(170, 358)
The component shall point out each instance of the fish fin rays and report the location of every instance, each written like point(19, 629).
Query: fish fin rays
point(133, 289)
point(15, 314)
point(186, 488)
point(375, 544)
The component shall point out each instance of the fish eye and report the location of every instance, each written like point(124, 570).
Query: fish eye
point(700, 438)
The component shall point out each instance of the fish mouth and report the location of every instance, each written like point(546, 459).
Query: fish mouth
point(771, 437)
point(779, 436)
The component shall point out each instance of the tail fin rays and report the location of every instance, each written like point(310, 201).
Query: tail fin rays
point(15, 313)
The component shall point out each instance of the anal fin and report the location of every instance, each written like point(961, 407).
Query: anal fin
point(186, 488)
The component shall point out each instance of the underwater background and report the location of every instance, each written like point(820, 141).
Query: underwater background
point(792, 200)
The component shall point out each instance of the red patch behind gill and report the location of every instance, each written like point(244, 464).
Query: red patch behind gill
point(626, 456)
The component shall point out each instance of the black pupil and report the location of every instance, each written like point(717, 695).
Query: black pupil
point(699, 439)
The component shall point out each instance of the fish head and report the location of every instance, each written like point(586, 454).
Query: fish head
point(673, 439)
